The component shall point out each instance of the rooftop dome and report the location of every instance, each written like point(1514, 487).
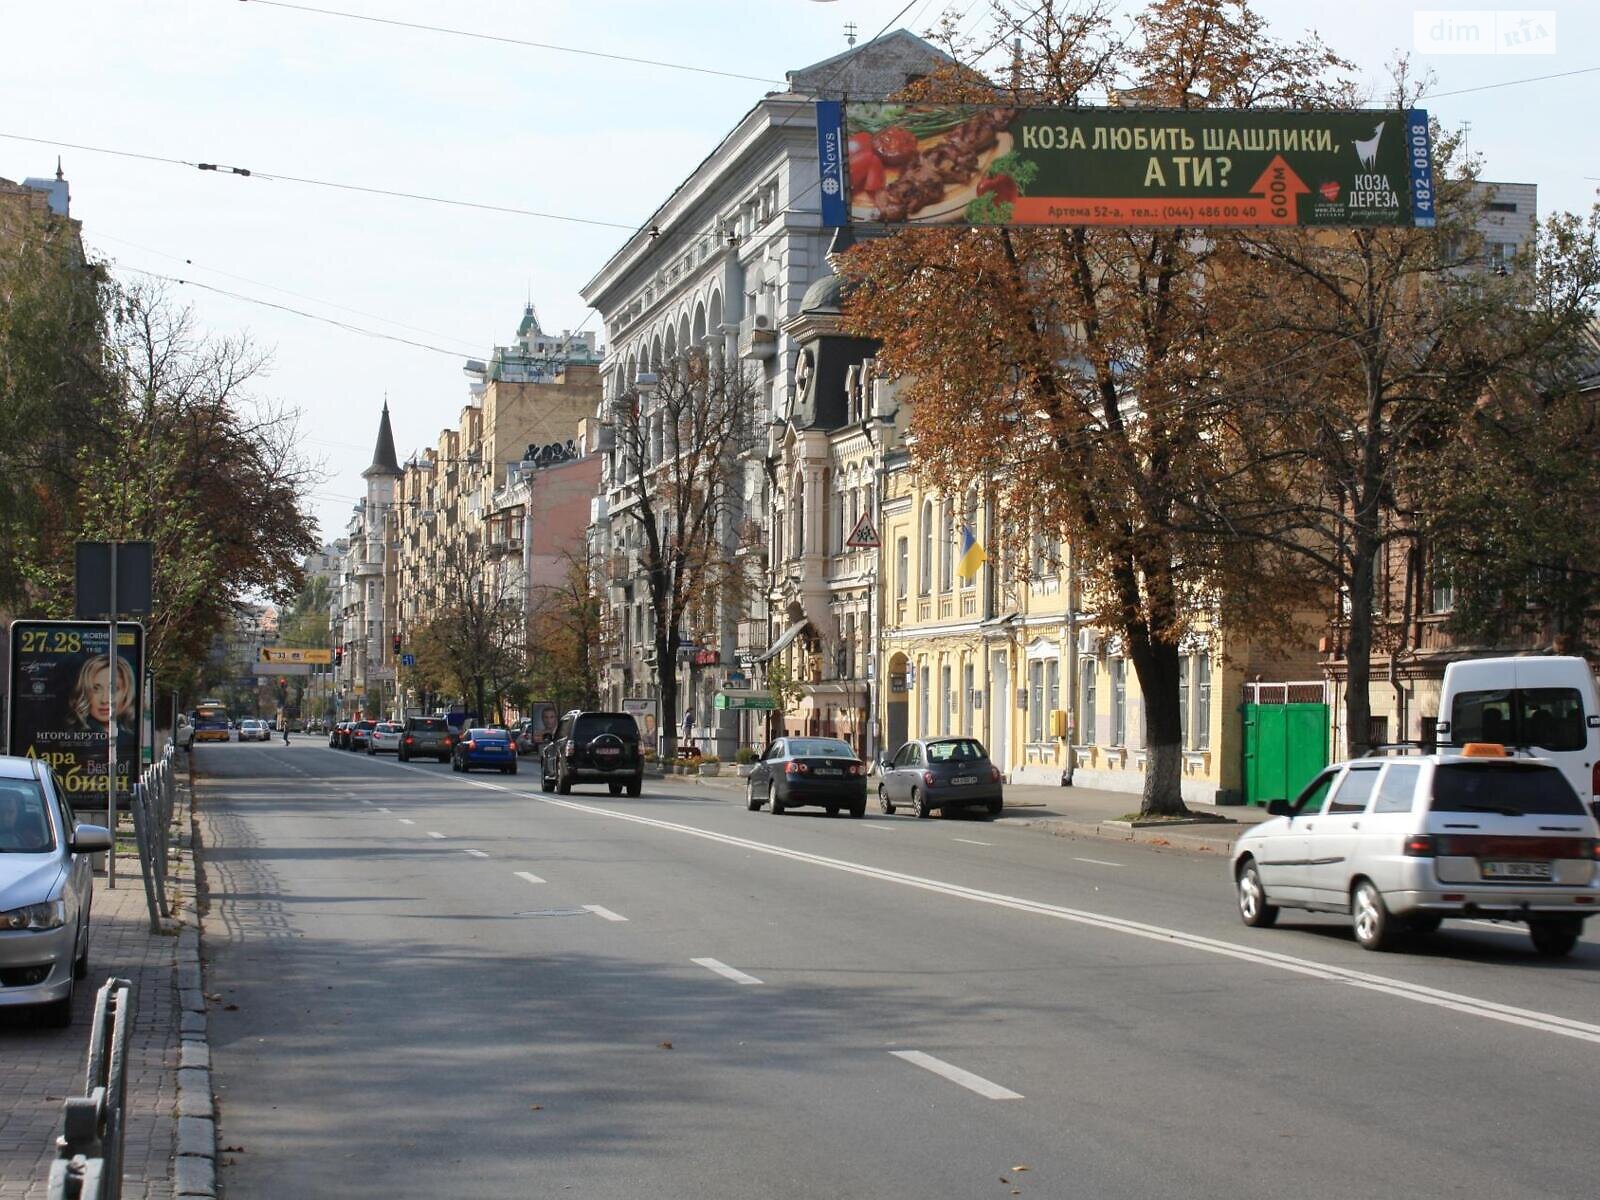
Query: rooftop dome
point(824, 295)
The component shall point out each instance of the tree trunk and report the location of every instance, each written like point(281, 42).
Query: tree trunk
point(666, 686)
point(1358, 647)
point(1156, 665)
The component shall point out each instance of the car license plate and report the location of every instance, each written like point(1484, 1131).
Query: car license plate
point(1515, 870)
point(829, 771)
point(963, 780)
point(608, 752)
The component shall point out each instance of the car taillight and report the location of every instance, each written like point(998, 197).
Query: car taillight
point(855, 770)
point(449, 741)
point(994, 774)
point(929, 778)
point(1594, 781)
point(796, 768)
point(470, 744)
point(409, 740)
point(1419, 846)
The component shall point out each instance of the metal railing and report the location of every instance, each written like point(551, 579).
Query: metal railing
point(153, 799)
point(88, 1163)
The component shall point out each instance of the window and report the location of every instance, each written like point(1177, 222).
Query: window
point(902, 567)
point(947, 550)
point(1202, 716)
point(1119, 702)
point(947, 700)
point(1036, 701)
point(923, 683)
point(1184, 666)
point(969, 698)
point(1443, 598)
point(956, 750)
point(1052, 685)
point(1398, 786)
point(925, 536)
point(1515, 789)
point(1310, 801)
point(1549, 718)
point(1086, 689)
point(1353, 794)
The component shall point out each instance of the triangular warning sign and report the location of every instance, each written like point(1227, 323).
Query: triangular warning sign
point(864, 536)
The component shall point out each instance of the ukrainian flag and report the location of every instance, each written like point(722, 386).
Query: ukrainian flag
point(972, 555)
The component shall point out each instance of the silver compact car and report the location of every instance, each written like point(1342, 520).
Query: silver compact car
point(46, 885)
point(385, 738)
point(1400, 844)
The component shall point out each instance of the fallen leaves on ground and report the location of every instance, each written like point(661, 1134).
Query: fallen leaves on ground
point(664, 1046)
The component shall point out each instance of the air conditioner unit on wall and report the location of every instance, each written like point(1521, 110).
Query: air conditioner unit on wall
point(761, 321)
point(1088, 641)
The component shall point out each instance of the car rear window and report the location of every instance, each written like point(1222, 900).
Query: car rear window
point(1550, 718)
point(593, 725)
point(961, 750)
point(433, 724)
point(24, 823)
point(487, 734)
point(1512, 789)
point(819, 748)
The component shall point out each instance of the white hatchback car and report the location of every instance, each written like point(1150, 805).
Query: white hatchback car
point(385, 738)
point(1402, 843)
point(252, 729)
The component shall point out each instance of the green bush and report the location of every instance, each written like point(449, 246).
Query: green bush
point(708, 758)
point(745, 756)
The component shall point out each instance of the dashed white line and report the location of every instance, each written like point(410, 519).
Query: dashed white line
point(974, 1083)
point(970, 842)
point(403, 820)
point(606, 913)
point(477, 853)
point(528, 875)
point(878, 827)
point(381, 808)
point(1099, 862)
point(723, 969)
point(434, 833)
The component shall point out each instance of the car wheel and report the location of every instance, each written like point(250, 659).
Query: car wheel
point(833, 810)
point(614, 788)
point(995, 808)
point(919, 799)
point(1253, 907)
point(772, 799)
point(1370, 917)
point(636, 787)
point(370, 753)
point(444, 758)
point(1426, 923)
point(858, 809)
point(546, 784)
point(1554, 937)
point(563, 784)
point(80, 965)
point(883, 800)
point(752, 801)
point(399, 754)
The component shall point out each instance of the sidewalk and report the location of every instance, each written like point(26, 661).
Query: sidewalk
point(1089, 812)
point(39, 1068)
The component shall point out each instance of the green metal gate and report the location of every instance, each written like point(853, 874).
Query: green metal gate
point(1284, 746)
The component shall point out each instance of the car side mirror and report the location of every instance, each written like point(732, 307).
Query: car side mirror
point(1280, 808)
point(90, 839)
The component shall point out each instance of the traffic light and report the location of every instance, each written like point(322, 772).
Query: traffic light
point(338, 656)
point(397, 643)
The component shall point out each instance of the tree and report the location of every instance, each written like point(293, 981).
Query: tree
point(1070, 374)
point(679, 442)
point(564, 637)
point(475, 638)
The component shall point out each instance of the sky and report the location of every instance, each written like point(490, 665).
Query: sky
point(287, 92)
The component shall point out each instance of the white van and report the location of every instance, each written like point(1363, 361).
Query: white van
point(1543, 705)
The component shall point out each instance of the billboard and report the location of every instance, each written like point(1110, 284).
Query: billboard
point(61, 676)
point(292, 655)
point(644, 712)
point(966, 164)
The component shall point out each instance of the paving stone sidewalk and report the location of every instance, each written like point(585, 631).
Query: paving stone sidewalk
point(39, 1067)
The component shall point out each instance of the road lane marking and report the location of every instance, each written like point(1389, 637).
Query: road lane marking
point(606, 913)
point(970, 842)
point(476, 853)
point(528, 875)
point(1099, 862)
point(364, 801)
point(1541, 1022)
point(435, 834)
point(723, 969)
point(403, 820)
point(381, 808)
point(973, 1083)
point(879, 828)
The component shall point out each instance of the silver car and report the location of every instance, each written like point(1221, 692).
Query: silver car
point(46, 885)
point(1400, 844)
point(385, 738)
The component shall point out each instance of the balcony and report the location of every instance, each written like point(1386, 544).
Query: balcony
point(500, 547)
point(758, 337)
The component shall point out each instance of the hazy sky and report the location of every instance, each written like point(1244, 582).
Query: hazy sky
point(294, 93)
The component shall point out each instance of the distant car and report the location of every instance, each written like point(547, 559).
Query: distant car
point(183, 736)
point(426, 736)
point(1402, 843)
point(941, 775)
point(593, 747)
point(385, 738)
point(800, 771)
point(252, 729)
point(46, 888)
point(484, 747)
point(359, 731)
point(528, 734)
point(338, 734)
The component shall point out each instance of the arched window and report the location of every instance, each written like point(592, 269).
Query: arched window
point(947, 550)
point(798, 523)
point(925, 539)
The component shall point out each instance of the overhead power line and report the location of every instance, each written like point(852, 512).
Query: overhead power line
point(511, 41)
point(1489, 87)
point(249, 173)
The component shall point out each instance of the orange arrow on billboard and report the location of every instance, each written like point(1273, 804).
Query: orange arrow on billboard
point(1281, 188)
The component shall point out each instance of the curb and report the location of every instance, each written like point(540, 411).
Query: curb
point(195, 1167)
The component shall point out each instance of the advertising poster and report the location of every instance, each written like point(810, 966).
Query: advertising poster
point(913, 164)
point(61, 688)
point(546, 716)
point(644, 712)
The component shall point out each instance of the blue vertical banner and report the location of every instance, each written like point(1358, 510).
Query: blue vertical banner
point(1419, 158)
point(830, 162)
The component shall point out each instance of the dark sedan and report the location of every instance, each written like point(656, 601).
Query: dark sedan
point(485, 748)
point(802, 771)
point(359, 732)
point(941, 775)
point(339, 735)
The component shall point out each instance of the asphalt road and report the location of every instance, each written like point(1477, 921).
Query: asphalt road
point(436, 985)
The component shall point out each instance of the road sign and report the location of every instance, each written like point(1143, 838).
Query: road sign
point(747, 701)
point(864, 536)
point(408, 660)
point(291, 654)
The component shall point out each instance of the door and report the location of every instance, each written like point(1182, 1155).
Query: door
point(1285, 745)
point(901, 780)
point(1333, 841)
point(1284, 857)
point(1000, 711)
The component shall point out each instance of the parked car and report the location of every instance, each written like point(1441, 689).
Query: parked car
point(359, 731)
point(593, 747)
point(941, 775)
point(1402, 843)
point(484, 747)
point(253, 729)
point(528, 734)
point(46, 888)
point(800, 771)
point(426, 735)
point(339, 735)
point(183, 736)
point(385, 738)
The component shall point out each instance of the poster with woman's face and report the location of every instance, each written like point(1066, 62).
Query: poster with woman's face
point(65, 689)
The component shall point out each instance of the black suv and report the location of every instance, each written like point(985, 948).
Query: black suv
point(426, 735)
point(593, 747)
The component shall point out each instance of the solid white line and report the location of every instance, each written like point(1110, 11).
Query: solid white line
point(604, 912)
point(403, 820)
point(1417, 993)
point(528, 875)
point(108, 787)
point(968, 841)
point(879, 828)
point(1099, 862)
point(723, 969)
point(975, 1083)
point(474, 853)
point(380, 807)
point(431, 833)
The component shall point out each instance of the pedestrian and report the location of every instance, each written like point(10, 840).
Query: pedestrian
point(283, 727)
